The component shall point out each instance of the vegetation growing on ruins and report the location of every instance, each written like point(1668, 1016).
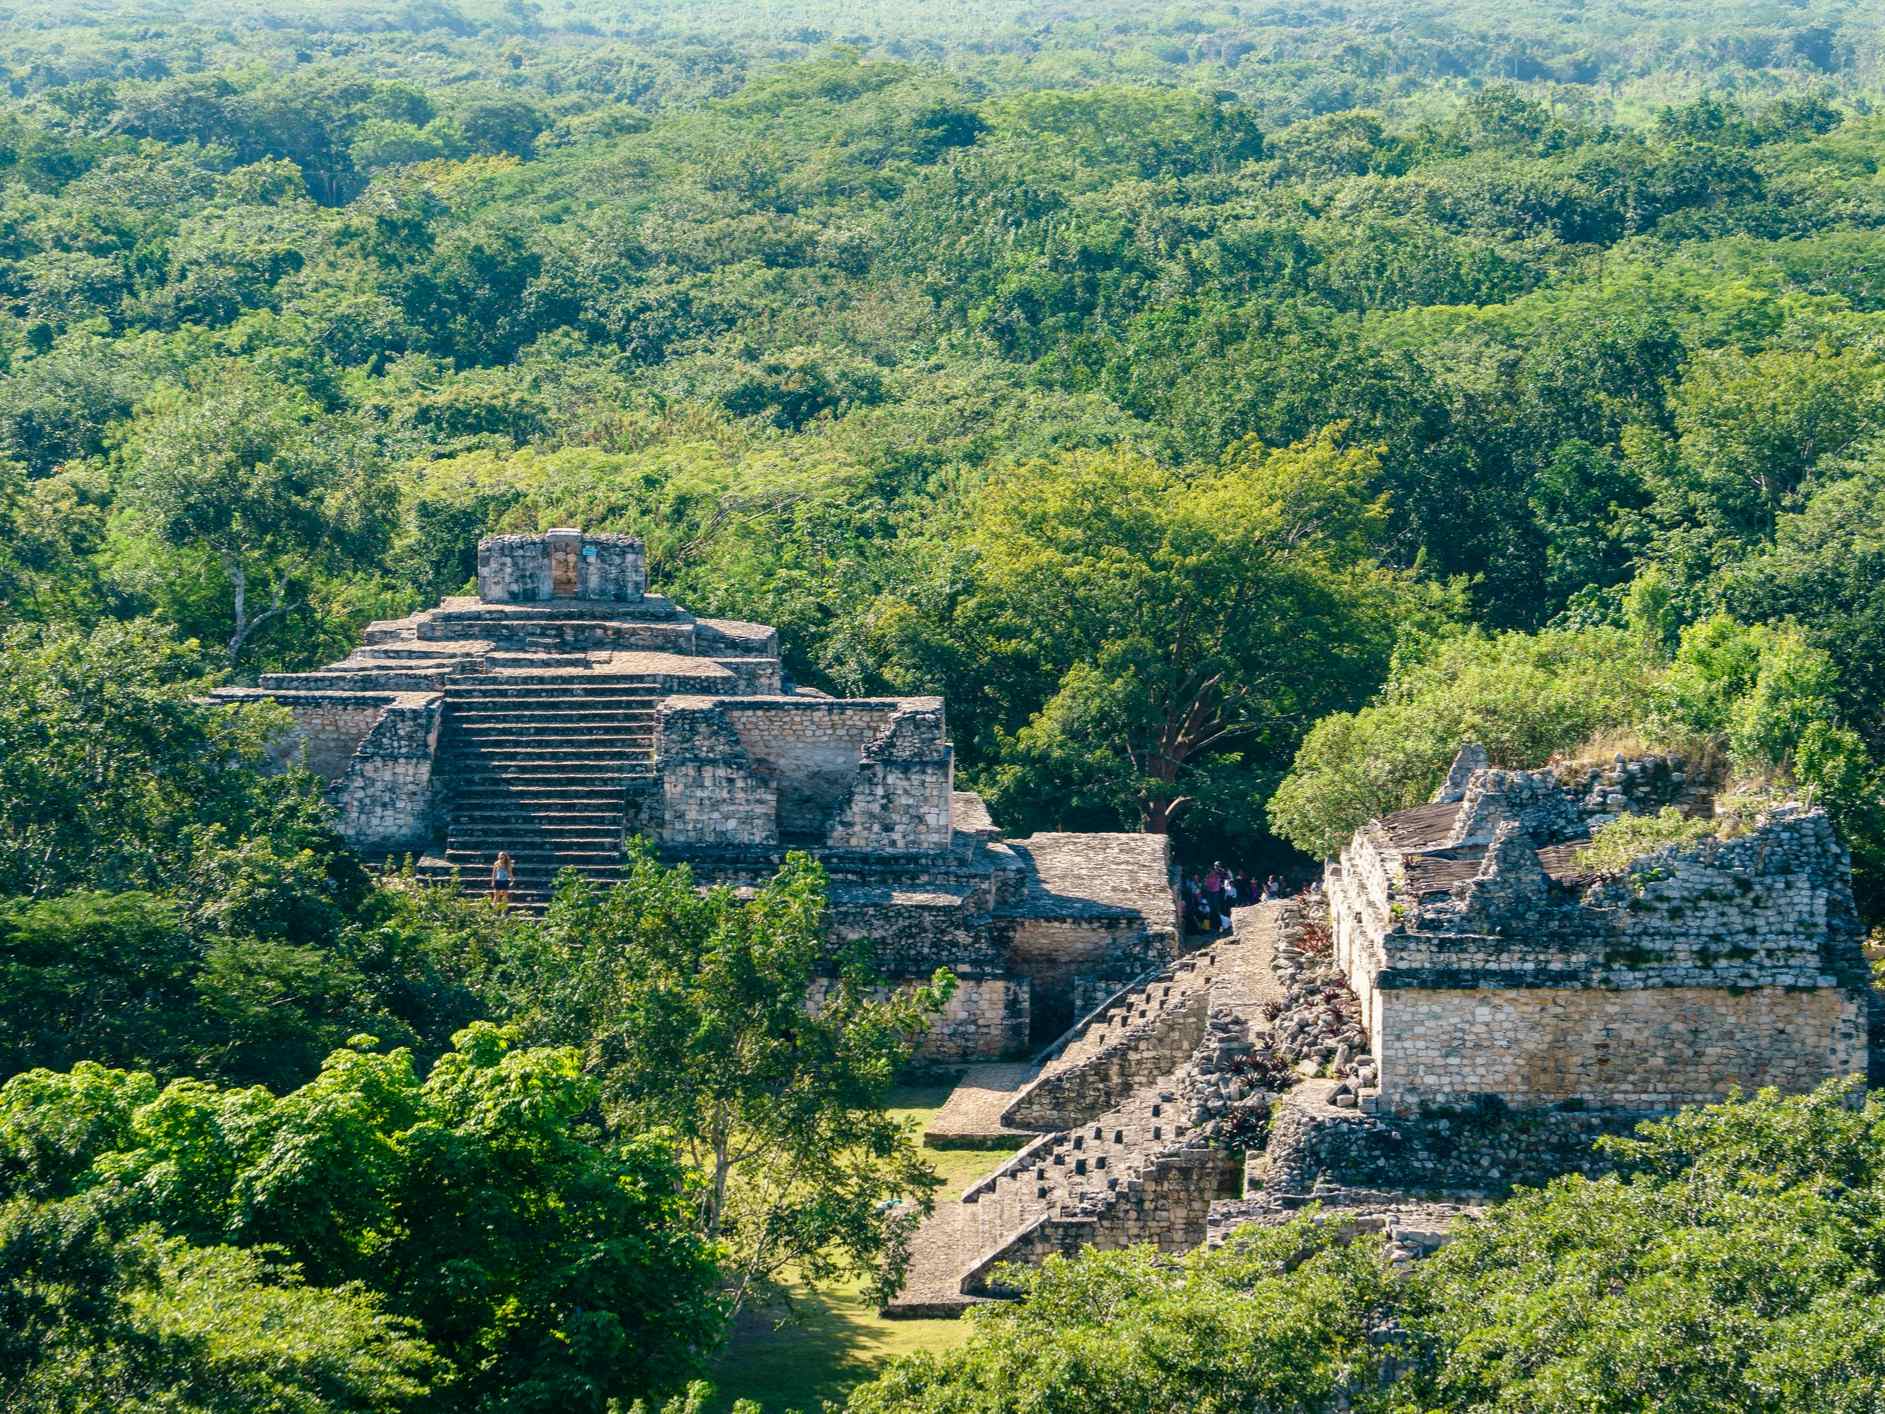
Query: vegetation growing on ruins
point(1228, 410)
point(1614, 847)
point(690, 1009)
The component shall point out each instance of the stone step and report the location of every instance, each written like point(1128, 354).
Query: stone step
point(512, 738)
point(649, 606)
point(516, 696)
point(523, 683)
point(578, 754)
point(481, 772)
point(552, 812)
point(592, 709)
point(486, 795)
point(537, 861)
point(536, 829)
point(478, 731)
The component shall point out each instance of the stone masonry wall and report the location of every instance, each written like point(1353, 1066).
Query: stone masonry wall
point(870, 775)
point(517, 569)
point(901, 791)
point(809, 749)
point(710, 794)
point(1063, 956)
point(1167, 1206)
point(1652, 1048)
point(1482, 972)
point(328, 730)
point(385, 800)
point(984, 1019)
point(1482, 1151)
point(1096, 1084)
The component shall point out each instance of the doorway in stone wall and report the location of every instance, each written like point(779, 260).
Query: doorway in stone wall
point(565, 569)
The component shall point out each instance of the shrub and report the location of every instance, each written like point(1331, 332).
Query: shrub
point(1617, 845)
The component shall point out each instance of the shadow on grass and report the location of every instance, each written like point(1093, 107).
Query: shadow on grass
point(836, 1339)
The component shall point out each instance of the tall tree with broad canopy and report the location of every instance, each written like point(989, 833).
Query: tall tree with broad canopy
point(1165, 637)
point(548, 1266)
point(252, 473)
point(109, 765)
point(691, 1007)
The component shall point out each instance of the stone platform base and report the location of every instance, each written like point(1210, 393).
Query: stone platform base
point(971, 1117)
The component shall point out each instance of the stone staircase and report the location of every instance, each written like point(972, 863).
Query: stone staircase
point(652, 624)
point(540, 761)
point(1145, 1088)
point(1138, 1173)
point(1142, 1034)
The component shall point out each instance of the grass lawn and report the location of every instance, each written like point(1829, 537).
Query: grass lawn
point(838, 1339)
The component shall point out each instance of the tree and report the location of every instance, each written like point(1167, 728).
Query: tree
point(109, 764)
point(1155, 630)
point(1734, 1267)
point(548, 1267)
point(1277, 1320)
point(95, 1318)
point(252, 473)
point(1523, 697)
point(692, 1008)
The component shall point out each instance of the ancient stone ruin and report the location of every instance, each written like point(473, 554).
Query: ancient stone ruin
point(565, 709)
point(1468, 1006)
point(1492, 967)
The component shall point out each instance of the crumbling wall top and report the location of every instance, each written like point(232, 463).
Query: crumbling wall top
point(561, 564)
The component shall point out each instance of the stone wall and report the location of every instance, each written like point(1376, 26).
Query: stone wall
point(1648, 1048)
point(902, 786)
point(561, 564)
point(985, 1018)
point(810, 751)
point(1489, 966)
point(1143, 1053)
point(1486, 1150)
point(869, 775)
point(1065, 956)
point(328, 730)
point(913, 930)
point(710, 793)
point(385, 801)
point(1167, 1206)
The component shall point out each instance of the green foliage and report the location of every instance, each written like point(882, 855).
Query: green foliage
point(1737, 1269)
point(690, 1006)
point(109, 767)
point(1732, 1264)
point(1615, 846)
point(92, 1317)
point(1523, 697)
point(1126, 619)
point(251, 474)
point(544, 1264)
point(1277, 1319)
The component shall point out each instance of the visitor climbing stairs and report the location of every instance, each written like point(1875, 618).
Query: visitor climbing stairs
point(541, 763)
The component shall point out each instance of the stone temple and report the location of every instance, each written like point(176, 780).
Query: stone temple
point(565, 709)
point(1467, 1005)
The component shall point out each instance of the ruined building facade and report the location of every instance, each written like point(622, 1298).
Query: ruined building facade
point(1490, 965)
point(565, 709)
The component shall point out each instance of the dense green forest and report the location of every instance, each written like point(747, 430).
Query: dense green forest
point(1227, 408)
